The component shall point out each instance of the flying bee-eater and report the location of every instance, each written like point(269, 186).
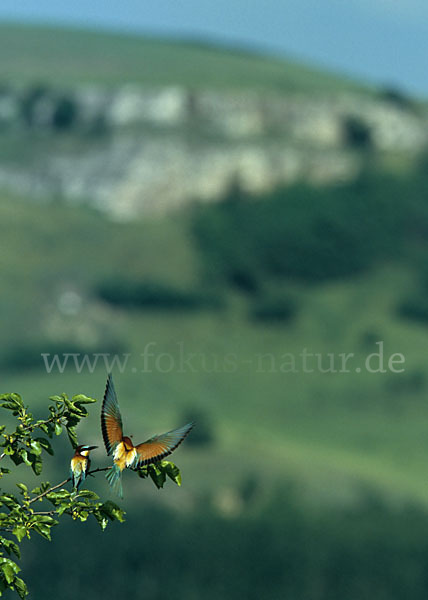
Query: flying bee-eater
point(80, 464)
point(125, 454)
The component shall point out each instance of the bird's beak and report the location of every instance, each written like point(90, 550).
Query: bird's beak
point(91, 447)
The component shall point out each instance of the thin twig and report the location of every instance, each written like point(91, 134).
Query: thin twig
point(98, 470)
point(45, 512)
point(55, 487)
point(32, 426)
point(51, 489)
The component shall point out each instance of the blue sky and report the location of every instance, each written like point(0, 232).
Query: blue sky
point(385, 41)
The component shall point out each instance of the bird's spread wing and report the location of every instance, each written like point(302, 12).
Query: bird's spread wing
point(160, 446)
point(111, 421)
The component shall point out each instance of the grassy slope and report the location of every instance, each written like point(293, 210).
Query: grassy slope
point(330, 431)
point(66, 57)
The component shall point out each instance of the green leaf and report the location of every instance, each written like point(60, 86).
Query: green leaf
point(143, 472)
point(20, 532)
point(113, 511)
point(62, 508)
point(88, 494)
point(172, 471)
point(23, 488)
point(9, 405)
point(82, 399)
point(45, 485)
point(36, 464)
point(9, 500)
point(43, 530)
point(45, 444)
point(11, 547)
point(58, 428)
point(16, 458)
point(35, 447)
point(69, 404)
point(11, 401)
point(75, 410)
point(21, 587)
point(72, 420)
point(7, 396)
point(56, 399)
point(3, 586)
point(81, 411)
point(101, 520)
point(8, 572)
point(56, 497)
point(72, 436)
point(11, 563)
point(24, 455)
point(43, 427)
point(158, 476)
point(46, 519)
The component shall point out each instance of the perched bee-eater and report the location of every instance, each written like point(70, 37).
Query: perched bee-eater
point(125, 454)
point(80, 465)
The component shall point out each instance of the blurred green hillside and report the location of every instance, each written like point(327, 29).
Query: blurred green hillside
point(326, 470)
point(66, 56)
point(328, 430)
point(303, 479)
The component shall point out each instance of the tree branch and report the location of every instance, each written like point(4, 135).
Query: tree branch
point(51, 489)
point(45, 512)
point(31, 427)
point(99, 470)
point(55, 487)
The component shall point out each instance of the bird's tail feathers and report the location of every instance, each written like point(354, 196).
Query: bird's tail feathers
point(77, 479)
point(114, 477)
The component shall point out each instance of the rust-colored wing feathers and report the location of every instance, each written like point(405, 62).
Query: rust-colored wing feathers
point(160, 446)
point(111, 420)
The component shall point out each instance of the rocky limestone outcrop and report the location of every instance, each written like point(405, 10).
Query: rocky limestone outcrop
point(133, 151)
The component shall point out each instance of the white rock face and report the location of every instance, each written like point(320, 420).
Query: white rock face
point(161, 148)
point(130, 106)
point(130, 177)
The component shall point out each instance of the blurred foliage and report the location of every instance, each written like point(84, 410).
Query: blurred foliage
point(413, 382)
point(26, 354)
point(398, 97)
point(413, 305)
point(154, 295)
point(203, 434)
point(42, 106)
point(357, 133)
point(308, 234)
point(274, 307)
point(415, 308)
point(65, 113)
point(31, 100)
point(282, 549)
